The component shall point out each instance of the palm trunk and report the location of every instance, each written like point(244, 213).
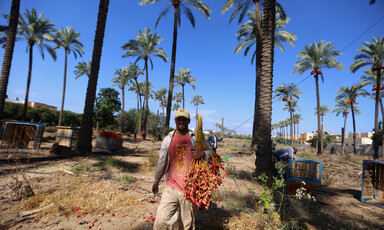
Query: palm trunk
point(24, 116)
point(182, 89)
point(84, 143)
point(382, 115)
point(256, 124)
point(122, 111)
point(291, 119)
point(138, 101)
point(8, 53)
point(354, 129)
point(64, 86)
point(264, 162)
point(172, 75)
point(146, 98)
point(197, 118)
point(320, 132)
point(378, 83)
point(343, 137)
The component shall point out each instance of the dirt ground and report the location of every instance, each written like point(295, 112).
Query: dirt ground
point(112, 191)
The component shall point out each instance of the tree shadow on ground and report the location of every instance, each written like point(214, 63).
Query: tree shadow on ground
point(331, 210)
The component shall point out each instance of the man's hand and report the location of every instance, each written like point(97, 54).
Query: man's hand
point(197, 154)
point(155, 188)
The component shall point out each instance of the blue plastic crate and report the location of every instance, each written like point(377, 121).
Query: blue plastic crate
point(110, 144)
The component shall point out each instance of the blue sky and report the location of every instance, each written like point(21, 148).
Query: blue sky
point(225, 80)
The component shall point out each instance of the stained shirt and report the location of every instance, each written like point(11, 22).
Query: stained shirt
point(180, 160)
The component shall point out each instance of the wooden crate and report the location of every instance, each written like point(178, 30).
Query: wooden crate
point(21, 135)
point(302, 169)
point(372, 188)
point(67, 136)
point(109, 144)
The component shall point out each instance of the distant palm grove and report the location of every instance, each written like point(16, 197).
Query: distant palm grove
point(263, 30)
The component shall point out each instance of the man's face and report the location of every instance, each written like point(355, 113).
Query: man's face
point(182, 123)
point(214, 133)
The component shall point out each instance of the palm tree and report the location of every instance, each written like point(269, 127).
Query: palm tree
point(323, 110)
point(177, 98)
point(342, 107)
point(122, 79)
point(180, 6)
point(314, 57)
point(372, 54)
point(83, 68)
point(264, 162)
point(196, 101)
point(145, 47)
point(351, 93)
point(184, 77)
point(242, 7)
point(84, 143)
point(68, 39)
point(287, 93)
point(160, 96)
point(292, 107)
point(370, 79)
point(134, 72)
point(35, 29)
point(8, 54)
point(296, 118)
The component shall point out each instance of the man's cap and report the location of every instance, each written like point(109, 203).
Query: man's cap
point(295, 149)
point(213, 131)
point(182, 113)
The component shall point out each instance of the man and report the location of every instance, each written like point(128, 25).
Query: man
point(176, 154)
point(285, 153)
point(213, 140)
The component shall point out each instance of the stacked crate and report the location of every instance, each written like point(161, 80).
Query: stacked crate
point(302, 169)
point(372, 190)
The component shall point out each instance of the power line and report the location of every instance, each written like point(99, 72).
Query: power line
point(310, 75)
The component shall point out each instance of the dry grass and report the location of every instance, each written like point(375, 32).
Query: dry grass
point(90, 195)
point(254, 220)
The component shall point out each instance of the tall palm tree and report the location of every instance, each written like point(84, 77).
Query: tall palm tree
point(184, 77)
point(84, 143)
point(196, 101)
point(264, 162)
point(68, 39)
point(297, 117)
point(372, 54)
point(160, 96)
point(315, 57)
point(8, 54)
point(351, 94)
point(241, 9)
point(122, 80)
point(134, 72)
point(180, 6)
point(292, 107)
point(145, 47)
point(370, 78)
point(342, 107)
point(287, 93)
point(138, 88)
point(35, 29)
point(323, 110)
point(177, 98)
point(83, 68)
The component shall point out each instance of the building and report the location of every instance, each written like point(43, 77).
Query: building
point(32, 104)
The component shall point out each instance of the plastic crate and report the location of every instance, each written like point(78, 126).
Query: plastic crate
point(67, 136)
